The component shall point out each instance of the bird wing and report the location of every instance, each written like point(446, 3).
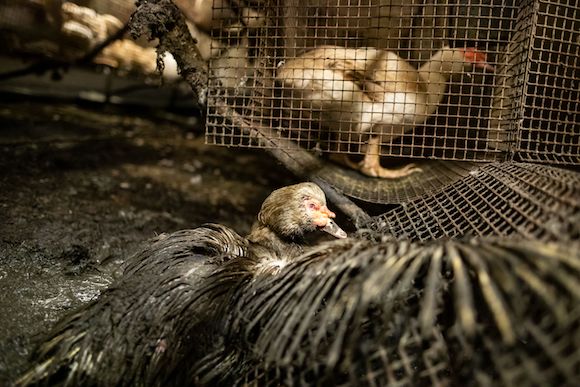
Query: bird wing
point(330, 74)
point(393, 74)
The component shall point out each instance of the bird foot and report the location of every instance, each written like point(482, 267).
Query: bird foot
point(375, 170)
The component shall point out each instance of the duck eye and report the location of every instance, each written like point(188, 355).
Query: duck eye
point(312, 206)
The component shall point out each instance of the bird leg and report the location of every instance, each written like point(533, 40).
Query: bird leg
point(371, 164)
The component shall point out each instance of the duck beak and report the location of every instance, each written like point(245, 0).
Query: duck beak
point(333, 229)
point(328, 225)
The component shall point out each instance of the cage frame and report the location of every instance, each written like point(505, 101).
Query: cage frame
point(509, 121)
point(195, 71)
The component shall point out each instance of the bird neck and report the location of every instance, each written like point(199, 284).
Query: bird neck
point(437, 71)
point(264, 241)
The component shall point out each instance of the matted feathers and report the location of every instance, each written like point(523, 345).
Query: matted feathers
point(141, 330)
point(482, 312)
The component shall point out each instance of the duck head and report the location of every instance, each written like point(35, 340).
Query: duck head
point(476, 58)
point(295, 210)
point(450, 61)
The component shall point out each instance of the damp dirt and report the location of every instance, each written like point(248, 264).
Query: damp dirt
point(81, 188)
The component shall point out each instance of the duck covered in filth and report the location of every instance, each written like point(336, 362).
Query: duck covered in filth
point(151, 326)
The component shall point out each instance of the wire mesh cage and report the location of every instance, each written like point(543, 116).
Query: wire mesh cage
point(479, 80)
point(536, 202)
point(550, 117)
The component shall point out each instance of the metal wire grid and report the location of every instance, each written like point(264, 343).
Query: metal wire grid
point(435, 175)
point(372, 313)
point(238, 72)
point(508, 90)
point(460, 128)
point(550, 116)
point(545, 368)
point(534, 201)
point(408, 359)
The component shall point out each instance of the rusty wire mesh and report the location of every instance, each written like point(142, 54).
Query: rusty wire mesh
point(435, 175)
point(550, 116)
point(528, 200)
point(528, 108)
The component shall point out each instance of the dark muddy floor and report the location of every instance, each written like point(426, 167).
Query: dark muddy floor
point(82, 188)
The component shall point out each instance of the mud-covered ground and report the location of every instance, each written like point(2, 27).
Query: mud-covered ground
point(82, 188)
